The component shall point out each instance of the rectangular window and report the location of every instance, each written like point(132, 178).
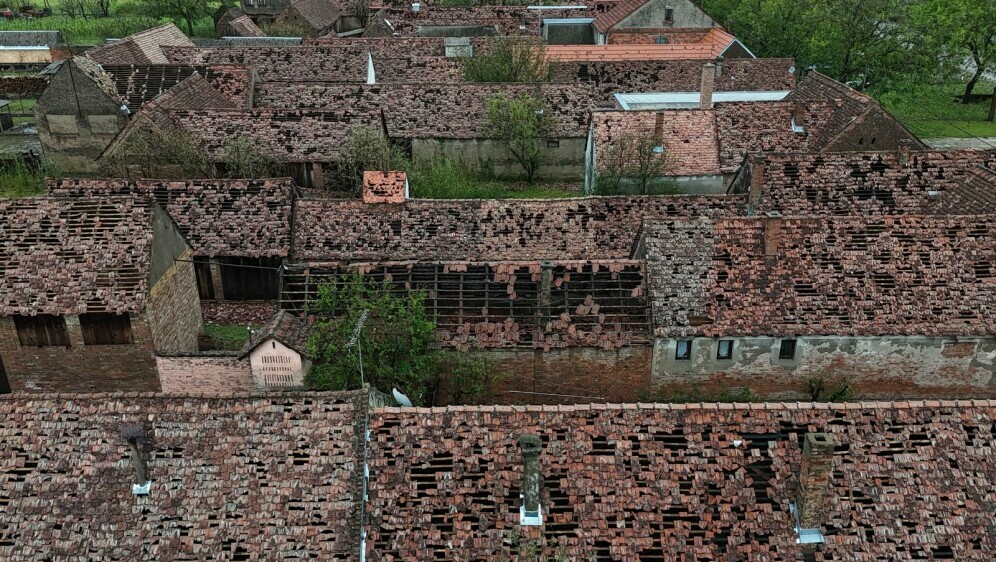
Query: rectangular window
point(787, 349)
point(44, 330)
point(683, 351)
point(668, 15)
point(725, 349)
point(553, 143)
point(106, 329)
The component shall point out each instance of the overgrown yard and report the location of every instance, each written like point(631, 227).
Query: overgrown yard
point(447, 180)
point(17, 179)
point(229, 337)
point(933, 111)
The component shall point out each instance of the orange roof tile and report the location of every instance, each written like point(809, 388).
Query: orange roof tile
point(713, 43)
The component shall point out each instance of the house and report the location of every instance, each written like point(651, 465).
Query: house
point(313, 17)
point(711, 44)
point(93, 288)
point(144, 47)
point(652, 14)
point(278, 353)
point(263, 12)
point(235, 23)
point(889, 302)
point(783, 482)
point(705, 135)
point(22, 51)
point(86, 105)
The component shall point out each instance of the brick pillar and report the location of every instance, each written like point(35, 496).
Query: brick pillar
point(219, 289)
point(74, 330)
point(532, 478)
point(707, 86)
point(756, 180)
point(814, 478)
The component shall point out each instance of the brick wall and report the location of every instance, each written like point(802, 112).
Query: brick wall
point(80, 368)
point(876, 367)
point(204, 373)
point(569, 376)
point(174, 308)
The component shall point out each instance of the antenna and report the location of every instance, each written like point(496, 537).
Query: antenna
point(355, 340)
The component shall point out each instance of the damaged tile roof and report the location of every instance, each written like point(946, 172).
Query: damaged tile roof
point(277, 477)
point(283, 327)
point(216, 217)
point(480, 230)
point(70, 256)
point(139, 84)
point(791, 276)
point(320, 14)
point(712, 45)
point(858, 183)
point(287, 135)
point(243, 26)
point(145, 47)
point(237, 478)
point(434, 110)
point(313, 63)
point(703, 482)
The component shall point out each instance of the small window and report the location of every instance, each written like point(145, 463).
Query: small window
point(554, 143)
point(44, 330)
point(725, 349)
point(106, 329)
point(660, 40)
point(787, 349)
point(683, 351)
point(668, 15)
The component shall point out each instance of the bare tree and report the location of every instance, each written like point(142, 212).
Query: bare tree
point(520, 124)
point(638, 159)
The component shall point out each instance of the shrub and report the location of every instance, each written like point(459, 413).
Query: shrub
point(520, 123)
point(244, 159)
point(509, 59)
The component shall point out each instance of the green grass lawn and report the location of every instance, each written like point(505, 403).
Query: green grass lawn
point(229, 337)
point(931, 111)
point(447, 180)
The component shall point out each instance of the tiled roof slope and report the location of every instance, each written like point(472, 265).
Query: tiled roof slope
point(418, 69)
point(710, 141)
point(429, 230)
point(239, 478)
point(139, 84)
point(217, 217)
point(387, 47)
point(874, 183)
point(243, 26)
point(319, 13)
point(848, 108)
point(702, 482)
point(145, 47)
point(92, 70)
point(70, 256)
point(677, 75)
point(712, 45)
point(622, 10)
point(287, 135)
point(434, 110)
point(346, 63)
point(863, 276)
point(283, 327)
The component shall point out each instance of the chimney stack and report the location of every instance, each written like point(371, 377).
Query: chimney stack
point(659, 129)
point(531, 511)
point(798, 116)
point(719, 67)
point(757, 165)
point(814, 478)
point(707, 85)
point(385, 187)
point(905, 147)
point(135, 436)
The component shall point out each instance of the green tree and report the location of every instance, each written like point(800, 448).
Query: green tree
point(187, 10)
point(520, 124)
point(473, 379)
point(162, 152)
point(366, 148)
point(636, 159)
point(245, 159)
point(395, 338)
point(508, 59)
point(963, 30)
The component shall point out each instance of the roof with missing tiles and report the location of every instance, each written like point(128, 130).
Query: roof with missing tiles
point(145, 47)
point(312, 63)
point(283, 327)
point(240, 478)
point(139, 84)
point(217, 217)
point(858, 183)
point(320, 14)
point(277, 477)
point(70, 256)
point(425, 229)
point(862, 276)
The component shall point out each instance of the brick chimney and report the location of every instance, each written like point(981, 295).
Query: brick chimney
point(707, 85)
point(659, 128)
point(798, 117)
point(905, 147)
point(531, 511)
point(719, 67)
point(385, 187)
point(757, 165)
point(137, 440)
point(814, 479)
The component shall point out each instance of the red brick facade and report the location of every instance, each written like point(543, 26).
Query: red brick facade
point(214, 374)
point(79, 367)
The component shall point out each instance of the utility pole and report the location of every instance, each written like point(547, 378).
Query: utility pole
point(992, 107)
